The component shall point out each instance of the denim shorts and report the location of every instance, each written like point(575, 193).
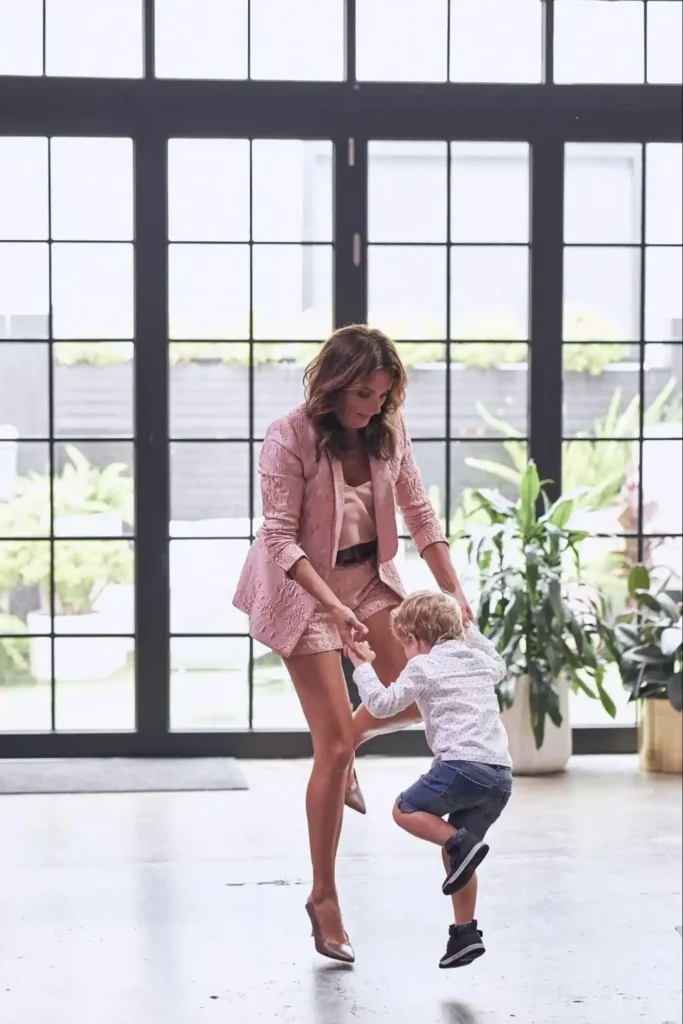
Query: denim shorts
point(471, 794)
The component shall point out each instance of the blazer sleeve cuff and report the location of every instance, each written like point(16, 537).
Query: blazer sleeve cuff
point(289, 556)
point(430, 533)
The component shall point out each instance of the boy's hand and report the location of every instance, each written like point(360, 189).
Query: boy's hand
point(360, 653)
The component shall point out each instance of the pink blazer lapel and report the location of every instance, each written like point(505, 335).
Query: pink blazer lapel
point(338, 480)
point(385, 510)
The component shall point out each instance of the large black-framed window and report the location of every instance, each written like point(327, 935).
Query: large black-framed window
point(181, 242)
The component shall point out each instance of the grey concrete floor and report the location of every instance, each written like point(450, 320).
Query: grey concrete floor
point(183, 908)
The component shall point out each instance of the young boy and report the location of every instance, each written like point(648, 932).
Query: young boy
point(451, 675)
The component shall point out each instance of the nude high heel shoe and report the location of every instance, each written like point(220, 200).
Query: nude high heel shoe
point(353, 797)
point(341, 951)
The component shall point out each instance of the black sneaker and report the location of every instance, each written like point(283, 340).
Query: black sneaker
point(466, 853)
point(464, 945)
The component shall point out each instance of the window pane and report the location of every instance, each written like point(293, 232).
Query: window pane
point(92, 189)
point(664, 32)
point(24, 290)
point(209, 291)
point(425, 407)
point(25, 702)
point(93, 389)
point(278, 380)
point(94, 40)
point(489, 192)
point(92, 291)
point(208, 190)
point(24, 594)
point(209, 683)
point(24, 500)
point(94, 591)
point(294, 205)
point(665, 556)
point(599, 42)
point(292, 291)
point(601, 392)
point(609, 470)
point(209, 384)
point(489, 389)
point(602, 190)
point(23, 188)
point(407, 184)
point(24, 405)
point(430, 457)
point(663, 482)
point(663, 397)
point(21, 37)
point(407, 291)
point(94, 682)
point(204, 575)
point(276, 705)
point(496, 41)
point(209, 489)
point(401, 41)
point(297, 39)
point(664, 181)
point(602, 294)
point(475, 464)
point(201, 38)
point(93, 490)
point(663, 294)
point(490, 293)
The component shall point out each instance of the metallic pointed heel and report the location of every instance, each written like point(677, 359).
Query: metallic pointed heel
point(354, 797)
point(342, 951)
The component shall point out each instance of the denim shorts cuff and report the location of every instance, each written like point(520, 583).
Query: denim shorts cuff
point(406, 808)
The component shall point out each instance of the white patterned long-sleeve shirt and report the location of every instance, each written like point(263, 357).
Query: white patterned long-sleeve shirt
point(454, 689)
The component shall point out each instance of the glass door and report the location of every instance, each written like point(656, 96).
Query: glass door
point(250, 230)
point(67, 445)
point(448, 276)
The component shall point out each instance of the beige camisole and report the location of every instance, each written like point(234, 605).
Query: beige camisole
point(358, 525)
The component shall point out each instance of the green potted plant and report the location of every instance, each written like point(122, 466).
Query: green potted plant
point(87, 502)
point(649, 642)
point(14, 650)
point(545, 628)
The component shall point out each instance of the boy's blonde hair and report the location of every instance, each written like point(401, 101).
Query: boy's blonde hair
point(432, 618)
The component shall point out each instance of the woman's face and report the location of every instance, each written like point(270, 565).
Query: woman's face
point(359, 403)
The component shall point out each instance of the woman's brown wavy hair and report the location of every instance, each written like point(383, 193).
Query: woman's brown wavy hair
point(348, 357)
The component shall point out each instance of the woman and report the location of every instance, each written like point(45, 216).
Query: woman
point(320, 573)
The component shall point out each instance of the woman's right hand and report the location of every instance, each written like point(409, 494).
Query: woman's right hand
point(351, 630)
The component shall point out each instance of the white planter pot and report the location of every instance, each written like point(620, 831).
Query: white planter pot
point(81, 652)
point(557, 744)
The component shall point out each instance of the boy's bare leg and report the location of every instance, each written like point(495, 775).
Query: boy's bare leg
point(424, 826)
point(465, 901)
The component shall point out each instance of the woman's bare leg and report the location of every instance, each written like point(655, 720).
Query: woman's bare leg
point(388, 665)
point(321, 688)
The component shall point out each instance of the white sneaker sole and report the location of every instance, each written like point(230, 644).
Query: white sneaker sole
point(463, 956)
point(459, 878)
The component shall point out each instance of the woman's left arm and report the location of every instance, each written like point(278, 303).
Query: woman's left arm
point(423, 525)
point(438, 558)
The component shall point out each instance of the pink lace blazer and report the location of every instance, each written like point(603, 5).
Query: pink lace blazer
point(303, 502)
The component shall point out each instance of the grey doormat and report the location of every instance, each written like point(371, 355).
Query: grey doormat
point(120, 775)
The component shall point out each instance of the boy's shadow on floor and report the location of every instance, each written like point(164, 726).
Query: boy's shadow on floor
point(458, 1013)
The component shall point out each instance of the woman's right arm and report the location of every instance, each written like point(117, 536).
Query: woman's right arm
point(282, 494)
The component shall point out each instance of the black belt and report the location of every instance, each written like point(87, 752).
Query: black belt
point(357, 554)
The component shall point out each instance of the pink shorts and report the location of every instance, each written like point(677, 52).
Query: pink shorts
point(360, 589)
